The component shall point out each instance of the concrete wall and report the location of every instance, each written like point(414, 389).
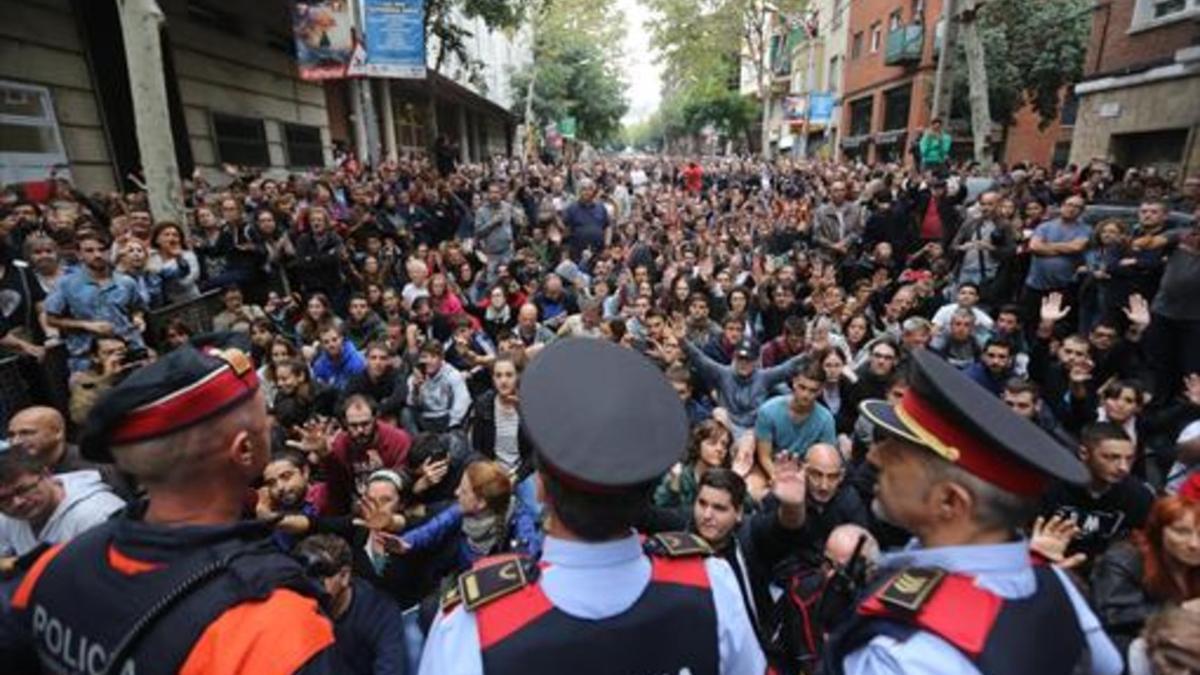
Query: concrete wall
point(1166, 104)
point(40, 45)
point(236, 71)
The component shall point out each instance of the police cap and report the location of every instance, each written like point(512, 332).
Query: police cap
point(601, 417)
point(963, 423)
point(180, 390)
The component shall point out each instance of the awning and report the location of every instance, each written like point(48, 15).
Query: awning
point(890, 137)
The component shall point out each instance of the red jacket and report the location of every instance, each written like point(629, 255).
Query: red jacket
point(347, 467)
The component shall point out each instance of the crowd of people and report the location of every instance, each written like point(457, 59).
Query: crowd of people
point(390, 314)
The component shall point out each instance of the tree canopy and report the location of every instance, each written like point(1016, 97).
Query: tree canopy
point(1033, 49)
point(576, 68)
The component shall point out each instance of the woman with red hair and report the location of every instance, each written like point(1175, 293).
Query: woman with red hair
point(1159, 567)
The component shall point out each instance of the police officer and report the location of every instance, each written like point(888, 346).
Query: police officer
point(963, 473)
point(605, 426)
point(178, 583)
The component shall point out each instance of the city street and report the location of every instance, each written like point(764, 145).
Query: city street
point(622, 336)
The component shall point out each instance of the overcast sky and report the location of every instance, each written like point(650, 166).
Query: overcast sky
point(641, 73)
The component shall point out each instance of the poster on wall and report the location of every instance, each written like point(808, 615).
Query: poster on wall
point(821, 108)
point(395, 37)
point(325, 40)
point(794, 107)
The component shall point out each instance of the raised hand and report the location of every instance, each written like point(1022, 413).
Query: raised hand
point(789, 484)
point(314, 439)
point(1051, 537)
point(373, 515)
point(1138, 311)
point(1053, 310)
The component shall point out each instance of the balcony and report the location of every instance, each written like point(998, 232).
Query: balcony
point(904, 45)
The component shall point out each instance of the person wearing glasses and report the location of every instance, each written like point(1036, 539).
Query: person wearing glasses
point(348, 457)
point(37, 507)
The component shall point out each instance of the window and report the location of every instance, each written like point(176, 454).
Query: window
point(303, 145)
point(896, 102)
point(1162, 149)
point(839, 6)
point(1153, 13)
point(856, 45)
point(30, 143)
point(1069, 109)
point(876, 36)
point(860, 116)
point(241, 140)
point(918, 10)
point(894, 21)
point(1168, 7)
point(835, 74)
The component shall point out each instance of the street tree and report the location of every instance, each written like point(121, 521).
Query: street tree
point(576, 69)
point(1032, 49)
point(697, 39)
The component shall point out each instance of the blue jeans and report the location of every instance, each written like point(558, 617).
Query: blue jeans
point(526, 493)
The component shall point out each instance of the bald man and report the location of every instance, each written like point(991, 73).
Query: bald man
point(42, 432)
point(844, 539)
point(831, 501)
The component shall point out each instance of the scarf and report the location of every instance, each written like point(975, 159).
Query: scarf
point(483, 530)
point(497, 315)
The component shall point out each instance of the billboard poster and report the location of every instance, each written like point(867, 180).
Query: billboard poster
point(324, 33)
point(395, 37)
point(794, 106)
point(820, 111)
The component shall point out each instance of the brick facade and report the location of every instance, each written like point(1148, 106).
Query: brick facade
point(1025, 142)
point(1113, 49)
point(1137, 102)
point(869, 76)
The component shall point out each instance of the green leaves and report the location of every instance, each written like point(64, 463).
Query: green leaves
point(1034, 48)
point(576, 66)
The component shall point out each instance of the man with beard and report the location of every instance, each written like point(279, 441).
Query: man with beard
point(382, 381)
point(367, 444)
point(994, 367)
point(95, 302)
point(963, 473)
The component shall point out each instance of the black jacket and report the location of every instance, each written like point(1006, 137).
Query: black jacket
point(947, 208)
point(763, 544)
point(1120, 600)
point(482, 425)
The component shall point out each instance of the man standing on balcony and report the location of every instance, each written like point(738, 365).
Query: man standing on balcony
point(935, 147)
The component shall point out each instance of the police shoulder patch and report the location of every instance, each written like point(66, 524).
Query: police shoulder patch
point(492, 580)
point(909, 589)
point(677, 545)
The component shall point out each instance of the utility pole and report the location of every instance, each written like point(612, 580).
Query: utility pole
point(977, 78)
point(942, 83)
point(141, 24)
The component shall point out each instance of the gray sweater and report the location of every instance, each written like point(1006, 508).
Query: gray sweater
point(88, 502)
point(741, 396)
